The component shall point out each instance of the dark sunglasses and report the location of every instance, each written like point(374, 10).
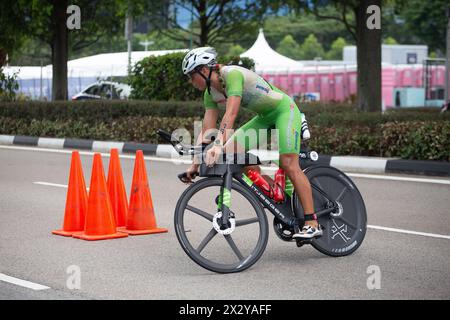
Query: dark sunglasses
point(191, 74)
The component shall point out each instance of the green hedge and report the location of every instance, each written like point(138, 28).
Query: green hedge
point(407, 140)
point(90, 111)
point(133, 129)
point(336, 129)
point(416, 140)
point(323, 114)
point(98, 110)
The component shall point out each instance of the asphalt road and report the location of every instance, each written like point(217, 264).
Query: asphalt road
point(155, 266)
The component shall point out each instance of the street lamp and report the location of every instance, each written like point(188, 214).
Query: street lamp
point(129, 36)
point(447, 62)
point(191, 27)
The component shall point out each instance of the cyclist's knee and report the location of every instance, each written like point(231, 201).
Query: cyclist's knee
point(289, 163)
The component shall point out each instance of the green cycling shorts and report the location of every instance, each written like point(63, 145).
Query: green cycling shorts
point(257, 132)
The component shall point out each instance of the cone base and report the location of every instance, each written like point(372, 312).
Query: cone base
point(83, 236)
point(65, 233)
point(141, 232)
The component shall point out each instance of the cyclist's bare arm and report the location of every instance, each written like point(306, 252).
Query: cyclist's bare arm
point(209, 123)
point(227, 123)
point(233, 105)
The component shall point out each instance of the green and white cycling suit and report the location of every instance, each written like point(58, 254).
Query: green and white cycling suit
point(274, 108)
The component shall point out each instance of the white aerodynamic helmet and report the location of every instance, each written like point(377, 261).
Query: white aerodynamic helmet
point(199, 57)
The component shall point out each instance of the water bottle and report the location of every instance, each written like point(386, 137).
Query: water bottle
point(259, 181)
point(279, 185)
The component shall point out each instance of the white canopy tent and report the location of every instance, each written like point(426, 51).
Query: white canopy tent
point(98, 66)
point(267, 59)
point(109, 64)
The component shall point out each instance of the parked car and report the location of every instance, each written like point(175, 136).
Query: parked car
point(104, 90)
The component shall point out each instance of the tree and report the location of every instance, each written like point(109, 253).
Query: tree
point(235, 50)
point(8, 86)
point(289, 47)
point(301, 25)
point(427, 20)
point(13, 28)
point(311, 48)
point(60, 48)
point(368, 55)
point(335, 52)
point(214, 20)
point(32, 52)
point(390, 40)
point(365, 30)
point(46, 21)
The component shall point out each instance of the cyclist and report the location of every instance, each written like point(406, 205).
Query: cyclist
point(234, 86)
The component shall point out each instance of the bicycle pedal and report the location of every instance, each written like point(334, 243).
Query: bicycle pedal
point(302, 242)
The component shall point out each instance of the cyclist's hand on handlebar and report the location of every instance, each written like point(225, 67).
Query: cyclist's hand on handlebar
point(190, 174)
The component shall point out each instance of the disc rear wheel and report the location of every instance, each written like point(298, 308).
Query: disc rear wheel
point(345, 228)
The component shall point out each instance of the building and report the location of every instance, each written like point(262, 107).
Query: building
point(393, 54)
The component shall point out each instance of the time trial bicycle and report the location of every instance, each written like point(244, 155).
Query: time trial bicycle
point(220, 220)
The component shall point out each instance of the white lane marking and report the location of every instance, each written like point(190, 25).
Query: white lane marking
point(380, 177)
point(50, 184)
point(267, 169)
point(53, 184)
point(395, 178)
point(432, 235)
point(22, 283)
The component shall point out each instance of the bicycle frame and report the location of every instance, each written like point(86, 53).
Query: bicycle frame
point(283, 211)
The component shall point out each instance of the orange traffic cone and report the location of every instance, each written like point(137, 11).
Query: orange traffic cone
point(141, 216)
point(76, 199)
point(100, 223)
point(116, 189)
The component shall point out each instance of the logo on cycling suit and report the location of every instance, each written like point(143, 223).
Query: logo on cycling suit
point(339, 230)
point(262, 88)
point(296, 140)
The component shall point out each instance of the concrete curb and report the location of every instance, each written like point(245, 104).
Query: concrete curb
point(345, 163)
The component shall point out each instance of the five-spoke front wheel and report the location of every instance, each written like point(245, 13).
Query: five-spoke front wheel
point(223, 253)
